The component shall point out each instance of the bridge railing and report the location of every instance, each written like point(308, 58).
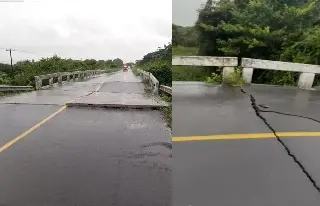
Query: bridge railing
point(228, 63)
point(153, 82)
point(248, 65)
point(64, 76)
point(150, 79)
point(307, 71)
point(166, 89)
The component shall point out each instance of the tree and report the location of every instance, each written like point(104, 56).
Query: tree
point(254, 28)
point(118, 62)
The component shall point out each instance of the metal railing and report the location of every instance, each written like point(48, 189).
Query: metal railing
point(248, 65)
point(64, 76)
point(9, 88)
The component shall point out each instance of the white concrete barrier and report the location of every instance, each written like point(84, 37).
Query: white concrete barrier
point(68, 76)
point(307, 71)
point(248, 65)
point(228, 63)
point(166, 89)
point(153, 82)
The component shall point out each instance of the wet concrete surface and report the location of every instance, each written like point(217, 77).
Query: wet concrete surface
point(207, 110)
point(15, 119)
point(123, 87)
point(59, 94)
point(281, 107)
point(119, 100)
point(83, 156)
point(102, 157)
point(124, 90)
point(246, 171)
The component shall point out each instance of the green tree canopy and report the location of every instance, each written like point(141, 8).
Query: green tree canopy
point(265, 29)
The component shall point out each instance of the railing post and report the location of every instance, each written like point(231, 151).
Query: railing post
point(156, 86)
point(306, 80)
point(247, 75)
point(226, 72)
point(60, 79)
point(38, 82)
point(51, 82)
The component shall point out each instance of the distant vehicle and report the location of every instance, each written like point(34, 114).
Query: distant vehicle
point(125, 69)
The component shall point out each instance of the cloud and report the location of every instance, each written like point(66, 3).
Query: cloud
point(185, 11)
point(100, 29)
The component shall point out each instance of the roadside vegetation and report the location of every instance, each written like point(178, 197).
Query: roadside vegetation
point(24, 71)
point(263, 29)
point(159, 64)
point(167, 111)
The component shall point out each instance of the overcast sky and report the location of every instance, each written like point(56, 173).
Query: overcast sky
point(185, 11)
point(99, 29)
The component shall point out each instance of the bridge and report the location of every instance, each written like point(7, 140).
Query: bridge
point(98, 140)
point(258, 145)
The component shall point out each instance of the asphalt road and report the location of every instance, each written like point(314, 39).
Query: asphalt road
point(83, 156)
point(221, 157)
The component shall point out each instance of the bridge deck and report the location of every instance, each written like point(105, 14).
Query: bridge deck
point(82, 156)
point(122, 90)
point(221, 157)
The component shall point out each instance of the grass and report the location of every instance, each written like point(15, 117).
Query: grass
point(235, 78)
point(109, 70)
point(187, 73)
point(135, 71)
point(214, 78)
point(184, 51)
point(167, 111)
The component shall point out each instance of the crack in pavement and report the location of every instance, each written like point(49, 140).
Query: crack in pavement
point(258, 111)
point(165, 144)
point(293, 115)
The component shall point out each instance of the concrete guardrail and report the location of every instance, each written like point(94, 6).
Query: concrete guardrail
point(307, 71)
point(228, 63)
point(152, 81)
point(306, 78)
point(166, 89)
point(65, 76)
point(9, 88)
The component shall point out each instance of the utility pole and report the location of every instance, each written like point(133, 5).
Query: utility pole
point(10, 50)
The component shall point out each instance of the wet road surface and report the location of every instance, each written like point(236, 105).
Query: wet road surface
point(122, 90)
point(240, 166)
point(84, 156)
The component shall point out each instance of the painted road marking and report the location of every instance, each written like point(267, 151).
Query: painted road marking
point(7, 145)
point(99, 87)
point(245, 136)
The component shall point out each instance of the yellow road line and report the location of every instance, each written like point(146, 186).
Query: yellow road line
point(245, 136)
point(7, 145)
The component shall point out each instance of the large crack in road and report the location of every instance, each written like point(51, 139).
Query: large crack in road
point(258, 112)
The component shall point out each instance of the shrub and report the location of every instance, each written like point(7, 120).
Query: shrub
point(235, 78)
